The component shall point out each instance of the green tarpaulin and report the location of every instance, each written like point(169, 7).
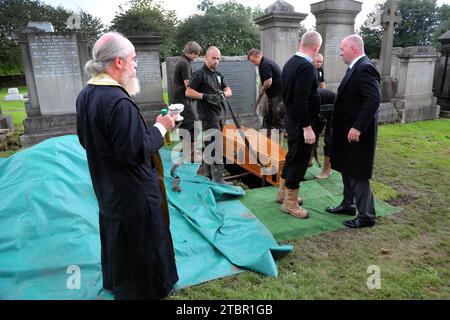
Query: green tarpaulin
point(49, 227)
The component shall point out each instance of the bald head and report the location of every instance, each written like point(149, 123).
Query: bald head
point(351, 48)
point(212, 57)
point(318, 60)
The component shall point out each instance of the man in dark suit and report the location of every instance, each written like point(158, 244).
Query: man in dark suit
point(355, 126)
point(299, 91)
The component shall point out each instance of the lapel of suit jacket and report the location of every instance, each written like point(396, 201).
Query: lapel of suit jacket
point(347, 77)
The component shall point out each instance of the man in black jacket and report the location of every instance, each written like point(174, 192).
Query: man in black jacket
point(299, 78)
point(122, 152)
point(181, 76)
point(206, 86)
point(355, 126)
point(270, 74)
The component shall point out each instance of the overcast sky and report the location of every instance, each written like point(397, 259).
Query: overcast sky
point(106, 9)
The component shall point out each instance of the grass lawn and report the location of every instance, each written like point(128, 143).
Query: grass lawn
point(14, 108)
point(17, 110)
point(412, 249)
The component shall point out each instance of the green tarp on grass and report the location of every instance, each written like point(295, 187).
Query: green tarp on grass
point(317, 195)
point(49, 225)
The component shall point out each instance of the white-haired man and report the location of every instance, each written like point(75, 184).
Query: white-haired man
point(355, 126)
point(136, 249)
point(299, 78)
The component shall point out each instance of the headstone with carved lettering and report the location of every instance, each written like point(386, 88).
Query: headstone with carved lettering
point(53, 64)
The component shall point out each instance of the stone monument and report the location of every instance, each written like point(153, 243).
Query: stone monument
point(413, 97)
point(150, 99)
point(53, 64)
point(335, 20)
point(13, 95)
point(389, 20)
point(280, 27)
point(6, 122)
point(442, 76)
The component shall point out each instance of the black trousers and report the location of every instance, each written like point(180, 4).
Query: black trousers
point(297, 158)
point(324, 120)
point(190, 116)
point(357, 194)
point(272, 118)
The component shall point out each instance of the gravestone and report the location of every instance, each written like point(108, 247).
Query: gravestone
point(414, 89)
point(170, 71)
point(6, 122)
point(164, 76)
point(53, 64)
point(13, 95)
point(240, 75)
point(150, 99)
point(335, 20)
point(280, 27)
point(442, 76)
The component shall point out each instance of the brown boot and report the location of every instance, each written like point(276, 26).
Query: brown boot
point(282, 191)
point(291, 206)
point(326, 170)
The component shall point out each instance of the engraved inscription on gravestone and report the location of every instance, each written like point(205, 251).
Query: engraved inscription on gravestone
point(57, 73)
point(149, 75)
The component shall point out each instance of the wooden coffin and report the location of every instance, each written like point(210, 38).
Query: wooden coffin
point(271, 154)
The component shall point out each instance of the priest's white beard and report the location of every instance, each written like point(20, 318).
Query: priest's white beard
point(131, 84)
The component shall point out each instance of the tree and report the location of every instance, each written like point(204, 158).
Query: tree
point(147, 16)
point(419, 22)
point(444, 23)
point(229, 26)
point(418, 25)
point(371, 34)
point(15, 14)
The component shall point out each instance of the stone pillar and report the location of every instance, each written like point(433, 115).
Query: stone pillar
point(414, 93)
point(389, 20)
point(150, 99)
point(280, 28)
point(442, 76)
point(54, 73)
point(335, 20)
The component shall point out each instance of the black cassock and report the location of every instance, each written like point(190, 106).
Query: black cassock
point(137, 253)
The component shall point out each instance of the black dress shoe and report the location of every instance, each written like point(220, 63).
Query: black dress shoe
point(356, 224)
point(341, 210)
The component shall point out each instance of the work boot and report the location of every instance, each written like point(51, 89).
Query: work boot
point(282, 191)
point(326, 170)
point(291, 206)
point(217, 174)
point(204, 170)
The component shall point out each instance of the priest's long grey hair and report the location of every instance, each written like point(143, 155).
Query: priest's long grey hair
point(108, 47)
